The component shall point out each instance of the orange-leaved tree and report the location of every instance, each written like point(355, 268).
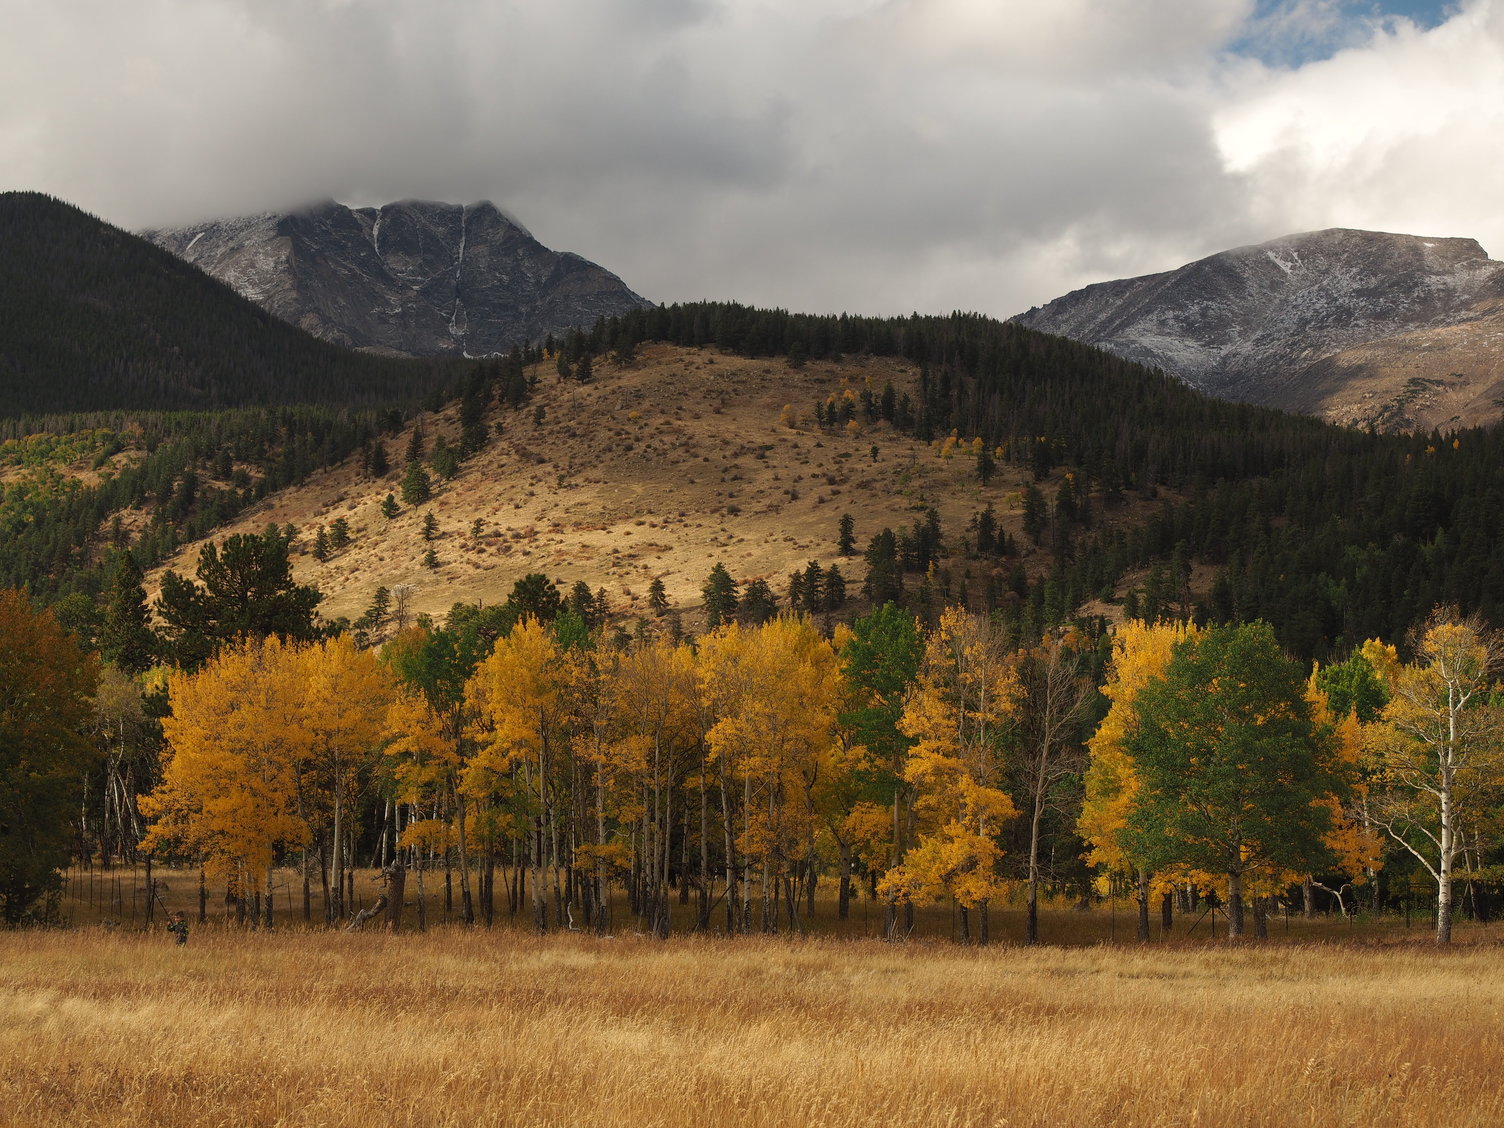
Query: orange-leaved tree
point(234, 750)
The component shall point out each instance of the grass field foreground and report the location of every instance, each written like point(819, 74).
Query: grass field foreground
point(465, 1027)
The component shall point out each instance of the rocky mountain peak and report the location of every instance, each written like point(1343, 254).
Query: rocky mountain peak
point(1270, 323)
point(418, 277)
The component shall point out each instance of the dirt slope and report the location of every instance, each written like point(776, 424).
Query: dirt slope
point(656, 469)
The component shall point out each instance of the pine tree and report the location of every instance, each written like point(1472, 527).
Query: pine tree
point(339, 533)
point(321, 545)
point(657, 597)
point(430, 558)
point(389, 507)
point(125, 636)
point(758, 603)
point(884, 582)
point(430, 526)
point(446, 460)
point(415, 445)
point(416, 487)
point(986, 464)
point(846, 541)
point(835, 590)
point(720, 597)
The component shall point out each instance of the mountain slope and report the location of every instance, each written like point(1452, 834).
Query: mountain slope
point(657, 469)
point(1331, 323)
point(94, 318)
point(416, 277)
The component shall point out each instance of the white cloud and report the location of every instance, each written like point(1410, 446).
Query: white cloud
point(869, 155)
point(1398, 135)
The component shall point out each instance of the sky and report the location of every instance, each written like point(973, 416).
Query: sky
point(869, 156)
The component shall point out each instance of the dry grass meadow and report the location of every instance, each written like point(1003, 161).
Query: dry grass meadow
point(115, 1026)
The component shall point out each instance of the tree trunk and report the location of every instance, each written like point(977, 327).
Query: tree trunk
point(1444, 870)
point(843, 895)
point(1234, 906)
point(1142, 896)
point(396, 886)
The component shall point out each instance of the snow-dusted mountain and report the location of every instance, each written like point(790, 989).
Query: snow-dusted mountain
point(1362, 327)
point(415, 277)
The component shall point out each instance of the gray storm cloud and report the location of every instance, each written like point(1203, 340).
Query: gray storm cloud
point(867, 155)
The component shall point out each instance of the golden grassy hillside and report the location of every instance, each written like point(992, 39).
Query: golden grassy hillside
point(656, 469)
point(469, 1028)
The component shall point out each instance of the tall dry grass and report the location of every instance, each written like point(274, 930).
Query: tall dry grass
point(458, 1027)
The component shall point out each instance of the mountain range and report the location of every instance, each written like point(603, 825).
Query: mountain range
point(415, 278)
point(1396, 332)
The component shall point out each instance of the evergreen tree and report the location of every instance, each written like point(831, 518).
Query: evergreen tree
point(389, 507)
point(720, 597)
point(416, 487)
point(446, 460)
point(536, 595)
point(758, 603)
point(339, 533)
point(884, 582)
point(430, 526)
point(657, 597)
point(846, 540)
point(1036, 513)
point(321, 545)
point(245, 589)
point(430, 558)
point(582, 603)
point(986, 464)
point(126, 638)
point(380, 464)
point(814, 588)
point(834, 597)
point(415, 445)
point(375, 616)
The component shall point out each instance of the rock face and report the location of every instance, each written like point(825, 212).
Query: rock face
point(1360, 327)
point(417, 278)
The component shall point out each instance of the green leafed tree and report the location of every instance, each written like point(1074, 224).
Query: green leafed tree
point(126, 638)
point(720, 595)
point(245, 589)
point(417, 488)
point(46, 686)
point(1230, 764)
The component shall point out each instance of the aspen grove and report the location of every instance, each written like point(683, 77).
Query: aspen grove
point(736, 772)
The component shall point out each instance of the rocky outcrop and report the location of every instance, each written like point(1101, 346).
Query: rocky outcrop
point(1361, 327)
point(416, 278)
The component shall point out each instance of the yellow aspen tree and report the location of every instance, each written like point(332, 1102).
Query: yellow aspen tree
point(1439, 748)
point(522, 699)
point(421, 761)
point(652, 694)
point(229, 790)
point(1140, 653)
point(774, 691)
point(958, 713)
point(346, 694)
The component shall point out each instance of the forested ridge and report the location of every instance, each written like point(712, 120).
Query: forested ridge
point(1332, 535)
point(94, 318)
